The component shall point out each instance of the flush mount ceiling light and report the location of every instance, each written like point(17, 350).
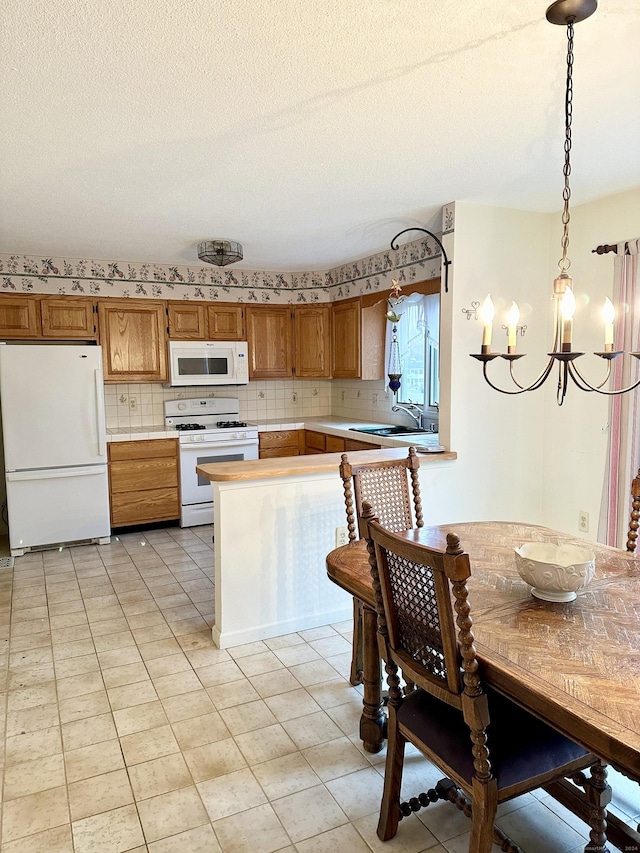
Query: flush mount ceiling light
point(220, 252)
point(566, 13)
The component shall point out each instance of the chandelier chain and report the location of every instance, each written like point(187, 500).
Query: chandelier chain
point(565, 263)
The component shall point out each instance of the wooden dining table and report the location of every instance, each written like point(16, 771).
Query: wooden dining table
point(574, 664)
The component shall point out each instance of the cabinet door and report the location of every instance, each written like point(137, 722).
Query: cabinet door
point(19, 317)
point(133, 335)
point(354, 444)
point(314, 442)
point(312, 352)
point(226, 322)
point(187, 321)
point(346, 339)
point(68, 318)
point(334, 444)
point(270, 336)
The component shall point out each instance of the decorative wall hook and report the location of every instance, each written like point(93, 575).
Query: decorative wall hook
point(519, 329)
point(473, 311)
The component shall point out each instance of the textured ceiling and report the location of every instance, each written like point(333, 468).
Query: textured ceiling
point(309, 131)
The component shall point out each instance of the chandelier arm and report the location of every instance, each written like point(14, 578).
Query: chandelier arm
point(542, 378)
point(573, 372)
point(522, 389)
point(446, 260)
point(587, 386)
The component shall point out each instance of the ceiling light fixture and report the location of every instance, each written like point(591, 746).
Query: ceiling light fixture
point(220, 252)
point(566, 13)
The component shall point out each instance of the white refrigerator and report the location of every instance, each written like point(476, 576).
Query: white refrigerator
point(55, 454)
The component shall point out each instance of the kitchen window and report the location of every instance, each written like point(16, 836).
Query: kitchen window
point(418, 340)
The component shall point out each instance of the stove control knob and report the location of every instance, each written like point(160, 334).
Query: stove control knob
point(182, 406)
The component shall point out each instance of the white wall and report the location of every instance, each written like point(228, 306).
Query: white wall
point(575, 435)
point(498, 439)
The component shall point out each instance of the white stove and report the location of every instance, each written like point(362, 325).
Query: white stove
point(208, 432)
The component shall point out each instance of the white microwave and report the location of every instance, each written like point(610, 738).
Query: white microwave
point(208, 363)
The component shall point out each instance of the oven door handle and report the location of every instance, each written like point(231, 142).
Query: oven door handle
point(206, 445)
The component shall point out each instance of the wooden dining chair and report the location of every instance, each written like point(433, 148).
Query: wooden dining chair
point(634, 519)
point(386, 486)
point(489, 748)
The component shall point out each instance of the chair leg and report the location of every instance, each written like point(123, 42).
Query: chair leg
point(483, 815)
point(390, 806)
point(357, 665)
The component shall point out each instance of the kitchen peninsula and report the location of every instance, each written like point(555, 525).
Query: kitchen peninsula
point(275, 521)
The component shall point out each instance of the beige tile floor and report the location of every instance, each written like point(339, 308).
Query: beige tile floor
point(127, 730)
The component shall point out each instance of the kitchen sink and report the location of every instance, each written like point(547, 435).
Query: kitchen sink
point(390, 430)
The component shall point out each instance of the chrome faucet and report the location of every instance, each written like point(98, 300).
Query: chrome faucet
point(411, 409)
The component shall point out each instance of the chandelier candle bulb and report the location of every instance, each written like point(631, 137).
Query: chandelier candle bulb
point(487, 312)
point(608, 314)
point(567, 309)
point(512, 327)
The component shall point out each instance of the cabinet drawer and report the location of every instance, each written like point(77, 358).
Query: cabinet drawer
point(140, 474)
point(144, 507)
point(285, 438)
point(152, 449)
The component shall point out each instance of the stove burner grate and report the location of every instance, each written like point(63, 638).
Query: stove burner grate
point(189, 426)
point(230, 424)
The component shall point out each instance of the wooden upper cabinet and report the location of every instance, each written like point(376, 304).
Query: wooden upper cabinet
point(19, 317)
point(270, 336)
point(133, 334)
point(358, 337)
point(346, 339)
point(312, 335)
point(187, 321)
point(39, 316)
point(287, 341)
point(226, 322)
point(68, 318)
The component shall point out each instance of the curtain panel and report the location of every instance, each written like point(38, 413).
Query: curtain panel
point(623, 449)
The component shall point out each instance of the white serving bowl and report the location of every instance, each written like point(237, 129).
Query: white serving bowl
point(555, 572)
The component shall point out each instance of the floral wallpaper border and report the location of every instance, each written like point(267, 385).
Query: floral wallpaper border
point(413, 261)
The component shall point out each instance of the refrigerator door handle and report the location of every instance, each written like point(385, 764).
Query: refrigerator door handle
point(100, 416)
point(54, 473)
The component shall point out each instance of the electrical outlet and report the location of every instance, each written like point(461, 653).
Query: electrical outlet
point(294, 397)
point(375, 399)
point(583, 521)
point(133, 404)
point(342, 396)
point(342, 536)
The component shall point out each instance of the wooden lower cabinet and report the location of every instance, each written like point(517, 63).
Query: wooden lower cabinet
point(144, 481)
point(289, 442)
point(354, 444)
point(321, 442)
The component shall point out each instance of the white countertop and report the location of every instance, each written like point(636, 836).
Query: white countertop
point(330, 424)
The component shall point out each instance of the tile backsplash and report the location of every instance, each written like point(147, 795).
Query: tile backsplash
point(136, 405)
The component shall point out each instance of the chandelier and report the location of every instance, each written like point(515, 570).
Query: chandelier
point(220, 252)
point(565, 12)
